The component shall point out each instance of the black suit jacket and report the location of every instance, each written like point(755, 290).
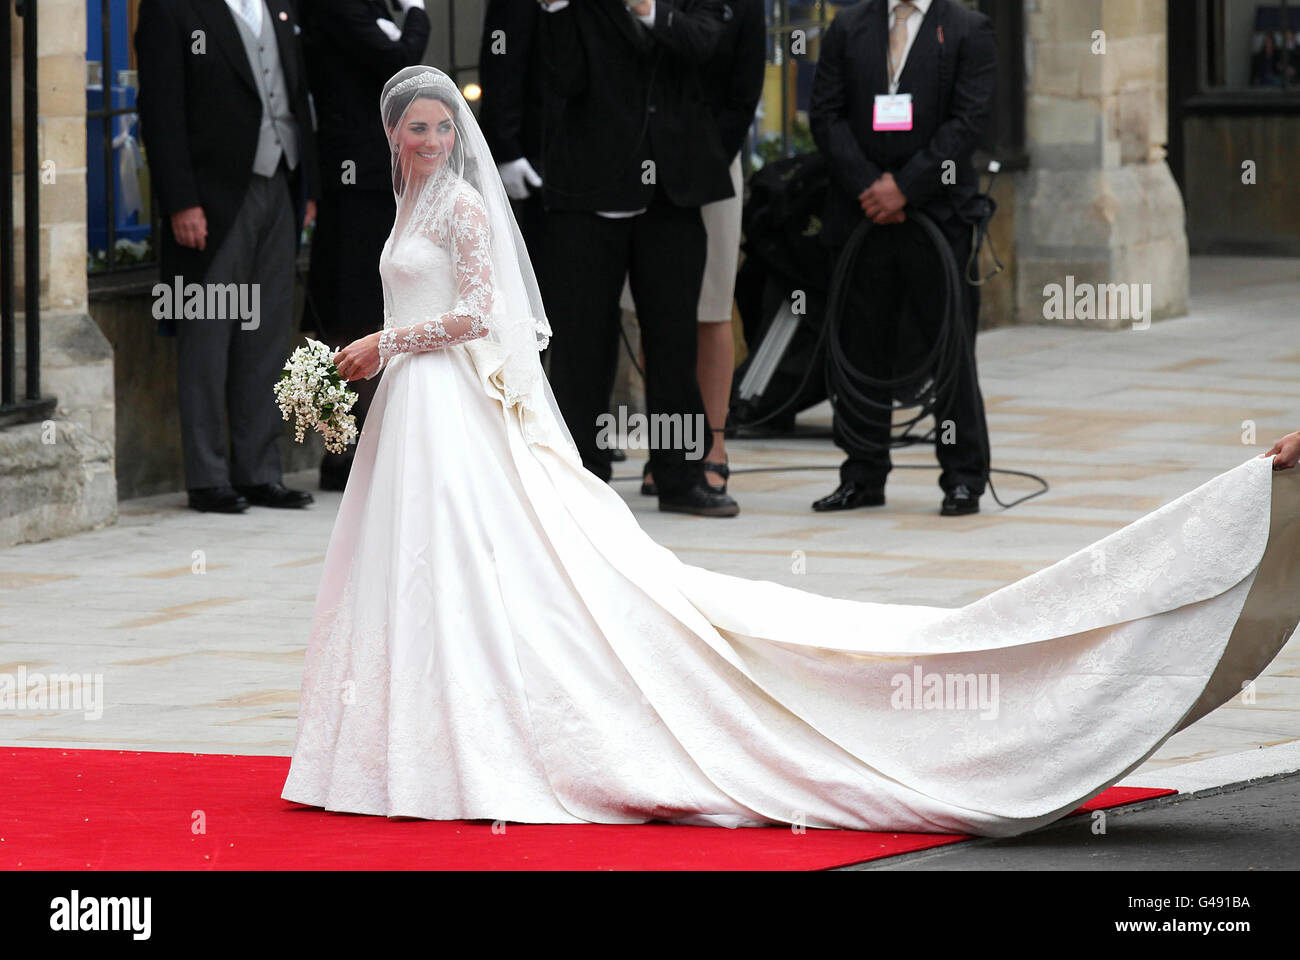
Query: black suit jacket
point(349, 59)
point(951, 73)
point(509, 70)
point(733, 79)
point(200, 115)
point(624, 95)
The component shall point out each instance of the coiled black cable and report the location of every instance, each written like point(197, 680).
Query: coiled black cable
point(937, 372)
point(951, 350)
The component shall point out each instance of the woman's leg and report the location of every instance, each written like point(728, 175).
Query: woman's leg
point(714, 368)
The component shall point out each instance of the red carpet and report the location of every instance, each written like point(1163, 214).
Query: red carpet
point(123, 810)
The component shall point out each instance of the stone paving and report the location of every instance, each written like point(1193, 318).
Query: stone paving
point(1117, 422)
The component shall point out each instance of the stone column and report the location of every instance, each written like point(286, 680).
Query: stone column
point(57, 477)
point(1098, 203)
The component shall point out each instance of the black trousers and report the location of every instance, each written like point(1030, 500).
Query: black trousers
point(586, 257)
point(345, 294)
point(890, 324)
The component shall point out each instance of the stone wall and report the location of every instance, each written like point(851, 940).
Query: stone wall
point(57, 476)
point(998, 294)
point(1098, 203)
point(148, 435)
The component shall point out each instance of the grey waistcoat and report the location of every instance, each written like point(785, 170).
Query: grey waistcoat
point(278, 132)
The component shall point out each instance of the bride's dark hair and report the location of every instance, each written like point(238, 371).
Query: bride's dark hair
point(397, 106)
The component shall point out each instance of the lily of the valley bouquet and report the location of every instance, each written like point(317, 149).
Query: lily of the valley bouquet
point(312, 390)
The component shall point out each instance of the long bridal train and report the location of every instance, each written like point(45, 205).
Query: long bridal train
point(497, 638)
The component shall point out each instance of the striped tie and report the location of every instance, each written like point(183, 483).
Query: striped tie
point(898, 38)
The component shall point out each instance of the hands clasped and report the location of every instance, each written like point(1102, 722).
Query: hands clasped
point(883, 202)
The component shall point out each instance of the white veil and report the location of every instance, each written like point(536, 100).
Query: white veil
point(517, 326)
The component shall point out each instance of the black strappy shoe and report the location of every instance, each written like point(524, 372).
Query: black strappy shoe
point(648, 488)
point(721, 469)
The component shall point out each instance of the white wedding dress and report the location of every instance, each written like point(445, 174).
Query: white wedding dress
point(496, 638)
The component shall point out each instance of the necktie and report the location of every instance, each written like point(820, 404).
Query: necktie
point(898, 37)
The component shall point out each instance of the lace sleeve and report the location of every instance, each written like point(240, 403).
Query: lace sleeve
point(467, 319)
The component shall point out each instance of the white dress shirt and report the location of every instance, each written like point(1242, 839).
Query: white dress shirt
point(254, 10)
point(913, 28)
point(647, 19)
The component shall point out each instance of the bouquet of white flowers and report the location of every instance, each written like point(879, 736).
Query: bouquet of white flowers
point(312, 390)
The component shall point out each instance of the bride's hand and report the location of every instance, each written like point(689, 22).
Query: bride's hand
point(1287, 451)
point(359, 360)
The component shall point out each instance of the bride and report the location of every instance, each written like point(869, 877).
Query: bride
point(496, 638)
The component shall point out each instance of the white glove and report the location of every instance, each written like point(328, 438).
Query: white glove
point(517, 176)
point(389, 28)
point(408, 4)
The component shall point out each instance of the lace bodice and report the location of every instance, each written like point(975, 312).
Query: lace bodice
point(437, 273)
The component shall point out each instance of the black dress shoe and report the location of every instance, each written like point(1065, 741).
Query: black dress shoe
point(701, 500)
point(276, 495)
point(850, 495)
point(647, 486)
point(958, 501)
point(217, 500)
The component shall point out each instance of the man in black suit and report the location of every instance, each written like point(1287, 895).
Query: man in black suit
point(889, 156)
point(225, 119)
point(511, 111)
point(631, 153)
point(352, 47)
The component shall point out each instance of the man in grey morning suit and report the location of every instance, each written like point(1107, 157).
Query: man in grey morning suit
point(227, 125)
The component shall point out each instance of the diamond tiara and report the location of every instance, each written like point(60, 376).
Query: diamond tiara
point(426, 79)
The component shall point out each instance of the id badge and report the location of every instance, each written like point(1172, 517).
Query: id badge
point(892, 112)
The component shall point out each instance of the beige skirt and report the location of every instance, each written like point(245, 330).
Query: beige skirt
point(722, 225)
